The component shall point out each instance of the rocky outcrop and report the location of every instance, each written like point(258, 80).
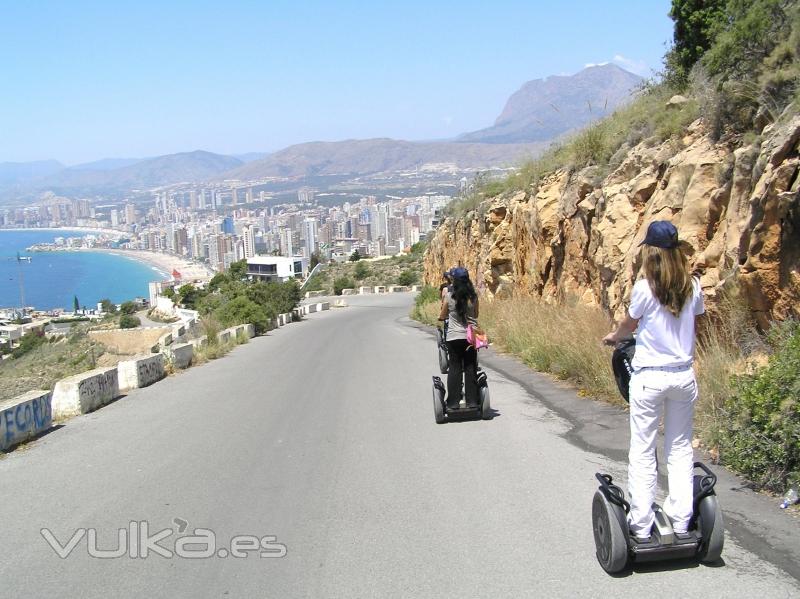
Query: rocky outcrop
point(576, 234)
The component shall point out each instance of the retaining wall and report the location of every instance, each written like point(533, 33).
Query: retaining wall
point(141, 371)
point(24, 417)
point(85, 392)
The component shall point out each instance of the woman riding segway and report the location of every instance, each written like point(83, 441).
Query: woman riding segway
point(663, 308)
point(459, 310)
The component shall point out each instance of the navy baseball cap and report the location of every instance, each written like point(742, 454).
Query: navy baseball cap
point(661, 234)
point(459, 273)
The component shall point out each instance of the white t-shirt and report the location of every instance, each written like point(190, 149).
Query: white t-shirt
point(663, 339)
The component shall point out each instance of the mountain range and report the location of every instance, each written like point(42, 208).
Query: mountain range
point(539, 112)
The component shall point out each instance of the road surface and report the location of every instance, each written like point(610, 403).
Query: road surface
point(320, 438)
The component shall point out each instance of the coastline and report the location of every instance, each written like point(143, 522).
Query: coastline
point(86, 230)
point(161, 263)
point(164, 263)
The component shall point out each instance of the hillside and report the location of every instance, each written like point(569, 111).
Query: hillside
point(544, 109)
point(162, 170)
point(363, 156)
point(14, 173)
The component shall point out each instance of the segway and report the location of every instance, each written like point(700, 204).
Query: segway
point(615, 547)
point(442, 413)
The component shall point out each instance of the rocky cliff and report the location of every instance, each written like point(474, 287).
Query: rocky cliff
point(576, 234)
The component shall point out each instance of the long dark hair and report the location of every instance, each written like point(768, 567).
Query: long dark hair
point(464, 295)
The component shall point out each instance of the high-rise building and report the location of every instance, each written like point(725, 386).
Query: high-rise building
point(310, 236)
point(248, 237)
point(287, 247)
point(114, 217)
point(130, 214)
point(193, 199)
point(227, 225)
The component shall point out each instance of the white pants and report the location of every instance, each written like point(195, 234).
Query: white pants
point(676, 391)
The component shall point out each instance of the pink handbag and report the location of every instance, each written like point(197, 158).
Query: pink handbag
point(476, 337)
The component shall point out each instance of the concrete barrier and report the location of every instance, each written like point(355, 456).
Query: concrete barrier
point(365, 290)
point(310, 308)
point(24, 417)
point(140, 372)
point(348, 291)
point(199, 342)
point(250, 329)
point(380, 289)
point(397, 289)
point(415, 288)
point(310, 294)
point(323, 306)
point(180, 354)
point(224, 336)
point(85, 392)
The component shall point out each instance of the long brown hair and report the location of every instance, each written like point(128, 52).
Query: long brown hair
point(667, 272)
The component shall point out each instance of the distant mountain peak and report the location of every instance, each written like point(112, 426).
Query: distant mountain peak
point(544, 109)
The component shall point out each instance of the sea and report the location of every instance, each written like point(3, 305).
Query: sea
point(52, 279)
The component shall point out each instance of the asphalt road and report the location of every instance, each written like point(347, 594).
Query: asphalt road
point(321, 434)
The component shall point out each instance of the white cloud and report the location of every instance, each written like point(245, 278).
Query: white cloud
point(639, 67)
point(589, 65)
point(447, 120)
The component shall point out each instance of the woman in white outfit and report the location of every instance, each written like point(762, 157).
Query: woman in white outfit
point(663, 308)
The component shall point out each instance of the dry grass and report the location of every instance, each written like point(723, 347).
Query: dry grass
point(560, 339)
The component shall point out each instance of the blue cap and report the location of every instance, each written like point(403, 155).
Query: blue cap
point(661, 234)
point(459, 273)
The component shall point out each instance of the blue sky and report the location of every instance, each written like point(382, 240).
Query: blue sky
point(88, 80)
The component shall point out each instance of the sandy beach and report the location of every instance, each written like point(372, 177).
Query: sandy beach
point(166, 263)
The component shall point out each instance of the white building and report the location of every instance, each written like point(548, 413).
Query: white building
point(249, 238)
point(276, 268)
point(310, 235)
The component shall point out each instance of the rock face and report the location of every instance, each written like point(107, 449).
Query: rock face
point(577, 236)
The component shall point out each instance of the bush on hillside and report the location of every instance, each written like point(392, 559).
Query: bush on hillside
point(28, 343)
point(761, 434)
point(342, 283)
point(127, 308)
point(126, 321)
point(407, 278)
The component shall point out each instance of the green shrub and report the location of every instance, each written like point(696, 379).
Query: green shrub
point(361, 271)
point(28, 343)
point(126, 321)
point(127, 308)
point(761, 434)
point(342, 283)
point(407, 278)
point(425, 304)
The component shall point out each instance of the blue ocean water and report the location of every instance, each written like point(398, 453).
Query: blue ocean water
point(52, 279)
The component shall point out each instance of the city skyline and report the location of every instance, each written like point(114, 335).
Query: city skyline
point(244, 78)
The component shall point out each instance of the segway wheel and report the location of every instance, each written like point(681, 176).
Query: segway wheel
point(438, 406)
point(611, 546)
point(712, 530)
point(486, 406)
